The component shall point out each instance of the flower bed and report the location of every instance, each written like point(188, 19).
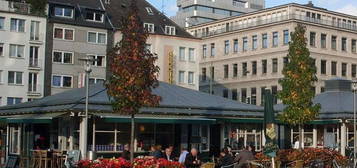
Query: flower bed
point(122, 163)
point(308, 155)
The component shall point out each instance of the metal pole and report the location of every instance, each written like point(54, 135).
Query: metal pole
point(210, 80)
point(85, 128)
point(354, 125)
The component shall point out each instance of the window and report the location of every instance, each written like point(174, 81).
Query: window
point(274, 92)
point(343, 69)
point(334, 42)
point(344, 44)
point(62, 81)
point(17, 51)
point(265, 40)
point(204, 51)
point(170, 30)
point(96, 80)
point(94, 16)
point(149, 10)
point(33, 60)
point(212, 72)
point(13, 100)
point(286, 37)
point(234, 94)
point(225, 67)
point(333, 68)
point(191, 54)
point(62, 57)
point(275, 39)
point(253, 95)
point(149, 27)
point(312, 39)
point(99, 60)
point(182, 53)
point(181, 76)
point(235, 45)
point(64, 34)
point(96, 37)
point(254, 67)
point(235, 70)
point(35, 30)
point(204, 74)
point(226, 47)
point(1, 78)
point(275, 65)
point(243, 95)
point(2, 23)
point(225, 93)
point(245, 43)
point(1, 49)
point(190, 77)
point(322, 89)
point(353, 70)
point(262, 94)
point(285, 61)
point(64, 12)
point(264, 66)
point(17, 25)
point(14, 78)
point(353, 46)
point(244, 69)
point(323, 40)
point(32, 82)
point(213, 50)
point(254, 42)
point(323, 67)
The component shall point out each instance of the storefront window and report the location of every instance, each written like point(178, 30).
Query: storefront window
point(243, 135)
point(15, 139)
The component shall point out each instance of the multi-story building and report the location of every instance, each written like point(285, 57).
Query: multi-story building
point(194, 12)
point(241, 56)
point(76, 29)
point(22, 53)
point(176, 49)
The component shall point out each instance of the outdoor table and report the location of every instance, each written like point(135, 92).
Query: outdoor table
point(41, 158)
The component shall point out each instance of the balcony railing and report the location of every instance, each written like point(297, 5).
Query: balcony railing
point(34, 63)
point(259, 22)
point(34, 89)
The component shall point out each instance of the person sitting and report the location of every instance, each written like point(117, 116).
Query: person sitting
point(168, 155)
point(126, 152)
point(243, 157)
point(183, 155)
point(192, 159)
point(155, 152)
point(225, 159)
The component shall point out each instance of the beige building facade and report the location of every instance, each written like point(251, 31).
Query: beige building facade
point(244, 55)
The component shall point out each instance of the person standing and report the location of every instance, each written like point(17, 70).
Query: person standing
point(192, 159)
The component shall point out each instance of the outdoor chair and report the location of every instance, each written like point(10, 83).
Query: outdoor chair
point(296, 164)
point(255, 164)
point(44, 160)
point(57, 159)
point(208, 165)
point(36, 159)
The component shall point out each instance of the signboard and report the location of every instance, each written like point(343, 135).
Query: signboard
point(12, 161)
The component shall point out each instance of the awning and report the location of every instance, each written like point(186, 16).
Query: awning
point(323, 122)
point(241, 120)
point(43, 118)
point(159, 119)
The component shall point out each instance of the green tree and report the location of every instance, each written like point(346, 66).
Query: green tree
point(299, 77)
point(38, 7)
point(133, 71)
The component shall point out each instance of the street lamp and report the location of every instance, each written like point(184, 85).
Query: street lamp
point(354, 89)
point(87, 68)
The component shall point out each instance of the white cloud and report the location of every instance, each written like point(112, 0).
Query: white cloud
point(326, 2)
point(348, 9)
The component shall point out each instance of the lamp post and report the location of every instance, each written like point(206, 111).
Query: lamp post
point(354, 89)
point(87, 68)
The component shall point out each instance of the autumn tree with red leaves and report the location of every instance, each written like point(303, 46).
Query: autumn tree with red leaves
point(133, 71)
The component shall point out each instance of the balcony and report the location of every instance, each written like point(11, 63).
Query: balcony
point(260, 22)
point(20, 7)
point(35, 64)
point(34, 89)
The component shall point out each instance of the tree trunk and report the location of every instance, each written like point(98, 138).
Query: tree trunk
point(300, 137)
point(132, 138)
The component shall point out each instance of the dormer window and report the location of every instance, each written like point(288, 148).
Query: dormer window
point(149, 10)
point(170, 30)
point(64, 12)
point(149, 27)
point(94, 16)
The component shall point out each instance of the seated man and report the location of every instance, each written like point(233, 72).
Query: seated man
point(192, 159)
point(243, 157)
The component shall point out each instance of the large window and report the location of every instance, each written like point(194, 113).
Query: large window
point(32, 82)
point(234, 94)
point(63, 33)
point(264, 66)
point(14, 78)
point(62, 81)
point(64, 12)
point(14, 137)
point(190, 78)
point(275, 39)
point(343, 69)
point(213, 50)
point(235, 70)
point(243, 95)
point(96, 80)
point(13, 100)
point(254, 42)
point(235, 45)
point(181, 77)
point(333, 42)
point(212, 72)
point(344, 44)
point(62, 57)
point(35, 30)
point(170, 30)
point(225, 93)
point(254, 67)
point(191, 54)
point(94, 16)
point(204, 51)
point(244, 69)
point(253, 96)
point(182, 56)
point(1, 77)
point(1, 49)
point(286, 37)
point(333, 68)
point(149, 27)
point(312, 39)
point(2, 23)
point(265, 40)
point(204, 74)
point(323, 41)
point(245, 44)
point(225, 67)
point(17, 25)
point(243, 135)
point(99, 60)
point(97, 37)
point(353, 70)
point(226, 47)
point(323, 67)
point(33, 60)
point(17, 51)
point(353, 46)
point(275, 65)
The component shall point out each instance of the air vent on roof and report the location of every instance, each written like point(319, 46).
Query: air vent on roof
point(149, 10)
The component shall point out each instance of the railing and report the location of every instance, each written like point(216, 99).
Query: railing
point(342, 25)
point(107, 148)
point(34, 88)
point(34, 63)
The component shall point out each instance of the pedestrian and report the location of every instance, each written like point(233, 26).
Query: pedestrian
point(243, 158)
point(192, 159)
point(183, 155)
point(225, 159)
point(126, 152)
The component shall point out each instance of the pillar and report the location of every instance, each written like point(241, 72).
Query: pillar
point(263, 137)
point(314, 137)
point(343, 139)
point(82, 146)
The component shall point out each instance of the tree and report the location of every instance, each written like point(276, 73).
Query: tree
point(133, 71)
point(299, 77)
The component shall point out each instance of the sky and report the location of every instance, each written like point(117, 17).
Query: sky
point(344, 6)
